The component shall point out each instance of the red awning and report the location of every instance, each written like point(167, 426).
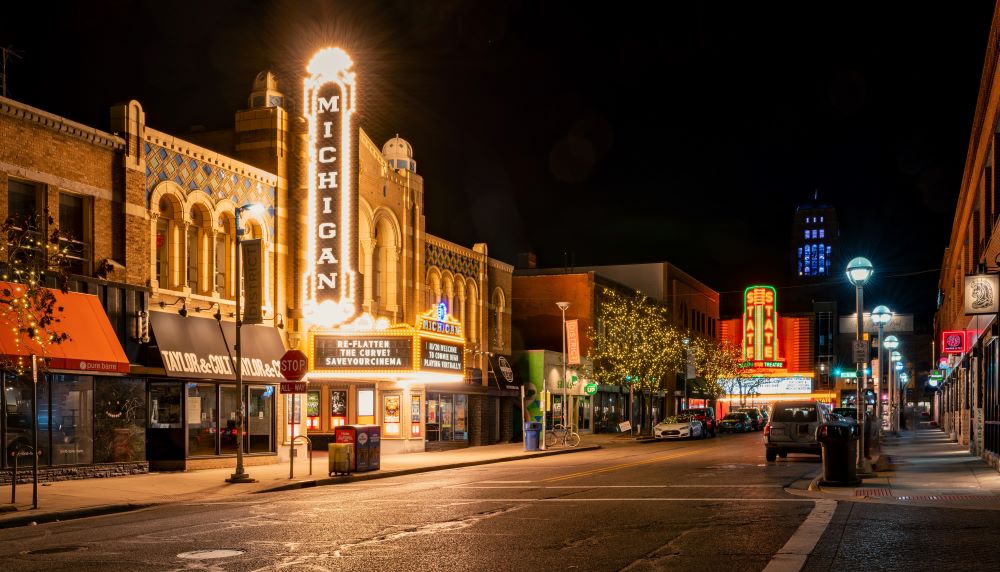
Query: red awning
point(92, 346)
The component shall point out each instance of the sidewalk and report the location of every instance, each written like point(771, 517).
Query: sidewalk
point(63, 500)
point(924, 467)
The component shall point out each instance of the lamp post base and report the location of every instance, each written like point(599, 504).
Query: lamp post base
point(240, 478)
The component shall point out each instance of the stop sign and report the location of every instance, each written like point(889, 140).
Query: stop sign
point(294, 365)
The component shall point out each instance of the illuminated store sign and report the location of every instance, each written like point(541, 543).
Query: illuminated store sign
point(953, 342)
point(332, 287)
point(440, 355)
point(381, 353)
point(778, 385)
point(760, 326)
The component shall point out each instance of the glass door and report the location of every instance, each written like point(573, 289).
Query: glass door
point(447, 419)
point(260, 419)
point(433, 415)
point(229, 407)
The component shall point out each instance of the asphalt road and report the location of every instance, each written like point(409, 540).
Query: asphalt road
point(702, 505)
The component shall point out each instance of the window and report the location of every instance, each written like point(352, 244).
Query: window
point(202, 418)
point(74, 223)
point(224, 258)
point(391, 414)
point(338, 407)
point(807, 234)
point(366, 406)
point(167, 244)
point(22, 199)
point(197, 251)
point(822, 233)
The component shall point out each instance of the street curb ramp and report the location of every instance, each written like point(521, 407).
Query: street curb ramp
point(415, 470)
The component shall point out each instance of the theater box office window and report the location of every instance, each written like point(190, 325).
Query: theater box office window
point(193, 403)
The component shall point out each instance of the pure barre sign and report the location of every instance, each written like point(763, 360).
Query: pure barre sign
point(332, 285)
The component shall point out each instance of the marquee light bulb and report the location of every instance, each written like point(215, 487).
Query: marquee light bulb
point(328, 62)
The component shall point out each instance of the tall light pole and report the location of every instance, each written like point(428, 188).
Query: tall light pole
point(565, 406)
point(881, 316)
point(897, 367)
point(687, 341)
point(240, 475)
point(891, 343)
point(859, 271)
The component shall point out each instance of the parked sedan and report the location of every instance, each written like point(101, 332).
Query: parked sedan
point(736, 422)
point(679, 427)
point(757, 419)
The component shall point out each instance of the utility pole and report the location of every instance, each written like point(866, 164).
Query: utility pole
point(5, 54)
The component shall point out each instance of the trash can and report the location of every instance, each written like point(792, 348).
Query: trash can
point(840, 454)
point(532, 430)
point(341, 458)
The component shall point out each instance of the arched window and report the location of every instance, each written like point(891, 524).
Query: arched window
point(499, 306)
point(198, 236)
point(168, 244)
point(225, 253)
point(377, 261)
point(472, 301)
point(385, 264)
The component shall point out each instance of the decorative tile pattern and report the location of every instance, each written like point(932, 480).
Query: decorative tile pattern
point(444, 259)
point(195, 175)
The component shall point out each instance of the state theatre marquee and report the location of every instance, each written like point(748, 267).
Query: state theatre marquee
point(435, 346)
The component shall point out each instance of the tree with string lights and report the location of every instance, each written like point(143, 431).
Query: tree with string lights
point(716, 364)
point(635, 346)
point(32, 255)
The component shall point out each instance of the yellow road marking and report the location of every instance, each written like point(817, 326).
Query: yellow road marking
point(592, 472)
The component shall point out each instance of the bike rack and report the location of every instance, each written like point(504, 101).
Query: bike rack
point(291, 459)
point(13, 475)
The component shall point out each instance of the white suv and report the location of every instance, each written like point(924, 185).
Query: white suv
point(792, 428)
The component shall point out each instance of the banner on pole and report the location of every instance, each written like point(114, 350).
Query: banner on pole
point(573, 341)
point(253, 292)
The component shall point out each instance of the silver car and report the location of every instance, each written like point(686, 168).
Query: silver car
point(792, 428)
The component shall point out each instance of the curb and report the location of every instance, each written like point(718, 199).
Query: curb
point(415, 470)
point(55, 516)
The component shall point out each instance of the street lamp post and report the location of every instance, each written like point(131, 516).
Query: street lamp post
point(240, 475)
point(565, 407)
point(859, 270)
point(687, 341)
point(881, 316)
point(896, 368)
point(891, 343)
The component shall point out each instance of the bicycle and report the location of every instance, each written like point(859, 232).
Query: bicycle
point(560, 435)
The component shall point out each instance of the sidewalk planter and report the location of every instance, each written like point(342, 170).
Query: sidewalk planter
point(840, 451)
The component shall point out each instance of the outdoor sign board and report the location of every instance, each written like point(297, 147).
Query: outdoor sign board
point(953, 342)
point(293, 386)
point(374, 353)
point(760, 324)
point(441, 356)
point(981, 294)
point(332, 284)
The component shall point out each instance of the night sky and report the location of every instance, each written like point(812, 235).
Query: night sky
point(599, 133)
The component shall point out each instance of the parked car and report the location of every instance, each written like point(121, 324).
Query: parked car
point(848, 412)
point(679, 427)
point(756, 416)
point(792, 428)
point(736, 422)
point(707, 417)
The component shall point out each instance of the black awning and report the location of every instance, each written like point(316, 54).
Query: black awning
point(202, 348)
point(502, 373)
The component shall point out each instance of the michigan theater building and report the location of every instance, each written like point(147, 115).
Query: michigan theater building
point(403, 330)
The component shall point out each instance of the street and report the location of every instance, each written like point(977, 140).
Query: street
point(703, 505)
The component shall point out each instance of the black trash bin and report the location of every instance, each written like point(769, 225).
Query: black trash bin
point(840, 454)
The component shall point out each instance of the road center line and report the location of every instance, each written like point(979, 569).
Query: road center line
point(792, 556)
point(528, 486)
point(615, 499)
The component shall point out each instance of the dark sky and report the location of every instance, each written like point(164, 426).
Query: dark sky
point(615, 132)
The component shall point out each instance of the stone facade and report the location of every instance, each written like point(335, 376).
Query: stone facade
point(53, 474)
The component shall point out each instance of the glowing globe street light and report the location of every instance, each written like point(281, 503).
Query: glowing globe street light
point(891, 343)
point(881, 316)
point(859, 270)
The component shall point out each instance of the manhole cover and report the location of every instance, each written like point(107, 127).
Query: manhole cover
point(57, 550)
point(209, 553)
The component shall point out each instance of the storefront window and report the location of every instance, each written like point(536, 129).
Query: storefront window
point(293, 413)
point(391, 414)
point(433, 427)
point(202, 418)
point(165, 406)
point(312, 410)
point(230, 407)
point(415, 416)
point(366, 406)
point(260, 419)
point(71, 419)
point(447, 417)
point(461, 429)
point(119, 420)
point(17, 416)
point(338, 407)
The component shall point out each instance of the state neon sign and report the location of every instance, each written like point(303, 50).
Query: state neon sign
point(760, 327)
point(332, 282)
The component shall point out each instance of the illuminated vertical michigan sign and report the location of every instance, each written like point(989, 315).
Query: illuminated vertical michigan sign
point(331, 281)
point(760, 324)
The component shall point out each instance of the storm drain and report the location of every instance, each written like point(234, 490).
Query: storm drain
point(871, 492)
point(56, 550)
point(209, 554)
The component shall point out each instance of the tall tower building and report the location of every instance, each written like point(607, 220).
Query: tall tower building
point(815, 241)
